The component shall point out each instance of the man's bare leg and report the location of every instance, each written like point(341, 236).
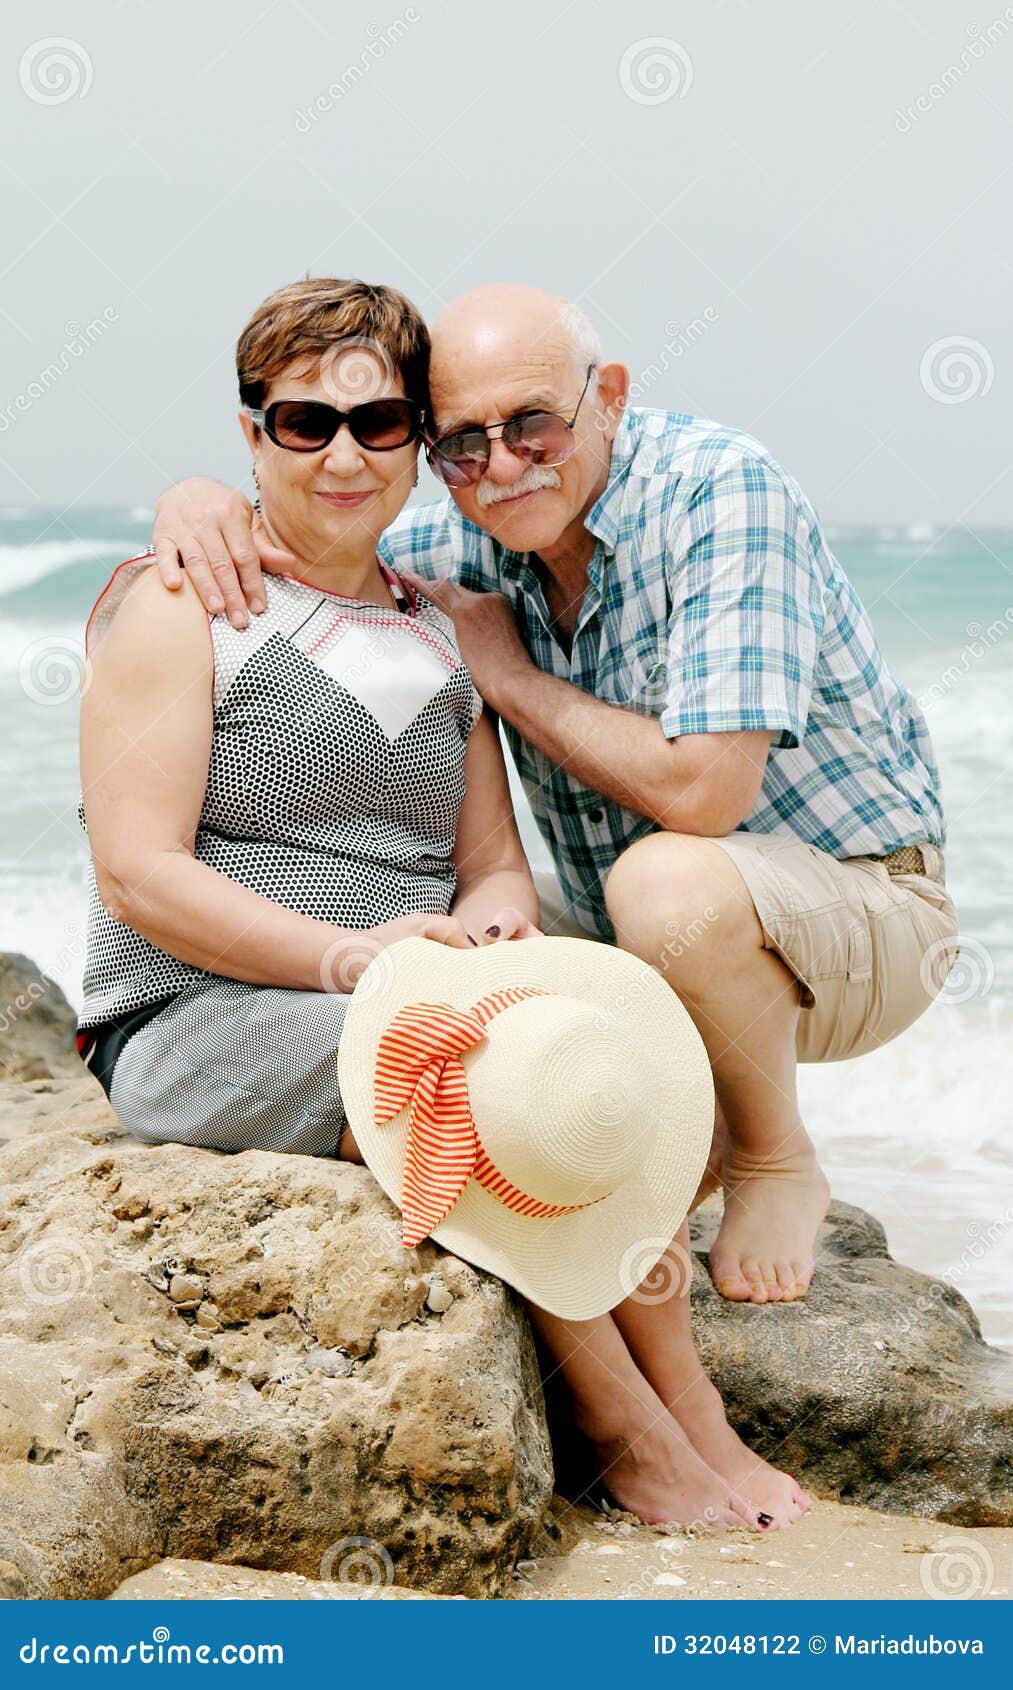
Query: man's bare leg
point(680, 903)
point(655, 1323)
point(645, 1458)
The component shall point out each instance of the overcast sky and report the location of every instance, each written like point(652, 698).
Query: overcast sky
point(791, 215)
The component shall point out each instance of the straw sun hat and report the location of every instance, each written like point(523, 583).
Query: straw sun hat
point(540, 1107)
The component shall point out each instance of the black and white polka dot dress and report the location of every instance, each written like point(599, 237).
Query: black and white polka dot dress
point(334, 787)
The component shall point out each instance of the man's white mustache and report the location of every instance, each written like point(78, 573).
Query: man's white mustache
point(493, 492)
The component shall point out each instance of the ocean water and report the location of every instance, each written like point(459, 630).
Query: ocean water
point(921, 1132)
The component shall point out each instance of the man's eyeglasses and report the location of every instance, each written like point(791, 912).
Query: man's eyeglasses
point(536, 437)
point(308, 425)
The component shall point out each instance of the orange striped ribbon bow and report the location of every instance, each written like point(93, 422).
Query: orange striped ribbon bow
point(418, 1062)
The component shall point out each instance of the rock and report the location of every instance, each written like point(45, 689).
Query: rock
point(199, 1581)
point(231, 1360)
point(876, 1389)
point(326, 1416)
point(37, 1024)
point(186, 1289)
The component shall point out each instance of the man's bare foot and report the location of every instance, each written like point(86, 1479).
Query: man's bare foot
point(659, 1476)
point(700, 1413)
point(773, 1208)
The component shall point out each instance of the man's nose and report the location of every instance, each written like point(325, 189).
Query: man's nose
point(503, 467)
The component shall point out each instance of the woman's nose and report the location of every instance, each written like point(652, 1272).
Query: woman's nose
point(344, 454)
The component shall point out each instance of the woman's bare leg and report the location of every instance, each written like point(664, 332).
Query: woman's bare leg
point(655, 1324)
point(644, 1456)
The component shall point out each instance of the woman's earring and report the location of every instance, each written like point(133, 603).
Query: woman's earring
point(256, 483)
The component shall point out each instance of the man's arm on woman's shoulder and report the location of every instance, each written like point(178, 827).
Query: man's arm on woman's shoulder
point(212, 532)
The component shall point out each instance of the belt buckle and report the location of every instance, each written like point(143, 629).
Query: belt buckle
point(899, 862)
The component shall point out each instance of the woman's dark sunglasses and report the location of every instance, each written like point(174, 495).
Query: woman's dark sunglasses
point(536, 437)
point(308, 425)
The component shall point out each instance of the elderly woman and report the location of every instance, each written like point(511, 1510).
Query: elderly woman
point(269, 808)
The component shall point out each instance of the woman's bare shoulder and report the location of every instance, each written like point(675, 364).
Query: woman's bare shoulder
point(153, 632)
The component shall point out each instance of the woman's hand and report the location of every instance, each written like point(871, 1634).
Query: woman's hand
point(215, 533)
point(352, 954)
point(509, 923)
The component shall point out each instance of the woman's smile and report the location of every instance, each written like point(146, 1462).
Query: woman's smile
point(346, 501)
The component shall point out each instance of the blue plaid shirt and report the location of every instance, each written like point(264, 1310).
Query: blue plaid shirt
point(714, 604)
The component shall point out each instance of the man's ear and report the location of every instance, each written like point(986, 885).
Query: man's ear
point(610, 399)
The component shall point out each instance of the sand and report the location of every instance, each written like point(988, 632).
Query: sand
point(834, 1552)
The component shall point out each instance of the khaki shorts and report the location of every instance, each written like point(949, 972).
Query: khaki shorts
point(869, 950)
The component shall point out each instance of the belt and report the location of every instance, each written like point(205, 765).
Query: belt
point(910, 859)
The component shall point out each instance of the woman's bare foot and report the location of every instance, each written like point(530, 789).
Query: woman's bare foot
point(660, 1477)
point(700, 1413)
point(764, 1251)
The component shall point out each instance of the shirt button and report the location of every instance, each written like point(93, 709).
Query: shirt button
point(596, 815)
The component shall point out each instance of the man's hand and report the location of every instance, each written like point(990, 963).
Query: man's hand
point(486, 633)
point(216, 534)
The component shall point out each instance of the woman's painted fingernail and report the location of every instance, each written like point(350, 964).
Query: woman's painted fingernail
point(492, 932)
point(765, 1519)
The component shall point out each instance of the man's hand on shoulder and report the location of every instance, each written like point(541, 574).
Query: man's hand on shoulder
point(486, 631)
point(214, 532)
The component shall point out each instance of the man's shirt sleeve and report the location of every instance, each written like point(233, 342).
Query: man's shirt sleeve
point(747, 608)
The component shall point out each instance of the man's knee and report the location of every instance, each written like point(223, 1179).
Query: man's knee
point(670, 893)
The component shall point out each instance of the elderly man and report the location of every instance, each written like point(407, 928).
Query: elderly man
point(732, 783)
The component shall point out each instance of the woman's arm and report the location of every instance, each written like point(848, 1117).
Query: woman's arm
point(494, 884)
point(146, 726)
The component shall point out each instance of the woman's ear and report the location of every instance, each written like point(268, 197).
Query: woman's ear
point(251, 433)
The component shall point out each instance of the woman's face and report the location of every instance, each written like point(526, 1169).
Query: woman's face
point(320, 505)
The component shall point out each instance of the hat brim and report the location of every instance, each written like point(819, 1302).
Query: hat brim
point(577, 1265)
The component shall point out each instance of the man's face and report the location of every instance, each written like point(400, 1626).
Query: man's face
point(526, 507)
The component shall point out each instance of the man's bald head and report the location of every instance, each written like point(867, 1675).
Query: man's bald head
point(507, 351)
point(504, 318)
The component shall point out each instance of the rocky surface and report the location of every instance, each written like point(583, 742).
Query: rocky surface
point(36, 1024)
point(202, 1581)
point(876, 1389)
point(231, 1359)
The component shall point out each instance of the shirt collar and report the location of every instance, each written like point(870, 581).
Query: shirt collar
point(633, 454)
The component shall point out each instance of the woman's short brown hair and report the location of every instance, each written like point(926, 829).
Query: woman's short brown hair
point(303, 322)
